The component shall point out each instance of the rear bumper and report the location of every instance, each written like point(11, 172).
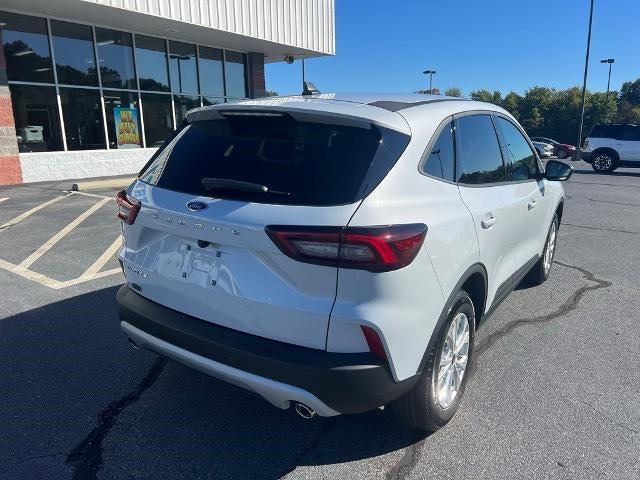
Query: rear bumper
point(330, 383)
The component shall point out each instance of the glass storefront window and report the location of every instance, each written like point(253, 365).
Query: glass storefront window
point(158, 119)
point(26, 48)
point(206, 101)
point(151, 58)
point(123, 119)
point(82, 115)
point(115, 54)
point(182, 104)
point(73, 48)
point(183, 68)
point(35, 112)
point(211, 72)
point(235, 76)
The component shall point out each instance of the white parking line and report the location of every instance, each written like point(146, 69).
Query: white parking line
point(104, 258)
point(61, 234)
point(3, 199)
point(95, 195)
point(28, 213)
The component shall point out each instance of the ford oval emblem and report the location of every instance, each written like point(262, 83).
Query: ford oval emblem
point(193, 206)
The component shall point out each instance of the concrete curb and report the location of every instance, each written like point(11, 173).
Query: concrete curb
point(107, 183)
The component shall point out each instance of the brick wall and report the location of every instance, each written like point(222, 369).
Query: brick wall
point(10, 171)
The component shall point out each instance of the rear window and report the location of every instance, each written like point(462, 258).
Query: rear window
point(298, 163)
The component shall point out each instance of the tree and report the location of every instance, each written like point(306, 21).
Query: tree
point(628, 105)
point(453, 92)
point(270, 93)
point(487, 96)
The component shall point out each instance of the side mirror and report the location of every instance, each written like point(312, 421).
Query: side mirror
point(557, 171)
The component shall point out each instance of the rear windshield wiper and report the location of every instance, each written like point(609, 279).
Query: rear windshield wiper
point(210, 183)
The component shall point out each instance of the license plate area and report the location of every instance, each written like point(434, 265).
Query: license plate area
point(192, 264)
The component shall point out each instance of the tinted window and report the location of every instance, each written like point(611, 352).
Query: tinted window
point(302, 163)
point(26, 48)
point(478, 151)
point(605, 131)
point(182, 64)
point(151, 61)
point(158, 119)
point(123, 119)
point(82, 113)
point(73, 48)
point(630, 133)
point(35, 112)
point(116, 59)
point(441, 158)
point(521, 160)
point(211, 73)
point(235, 74)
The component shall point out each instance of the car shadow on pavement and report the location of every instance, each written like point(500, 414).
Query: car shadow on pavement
point(608, 174)
point(82, 397)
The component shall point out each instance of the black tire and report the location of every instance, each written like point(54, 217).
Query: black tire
point(540, 272)
point(603, 161)
point(562, 154)
point(419, 408)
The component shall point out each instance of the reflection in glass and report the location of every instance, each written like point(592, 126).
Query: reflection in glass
point(158, 119)
point(206, 101)
point(182, 65)
point(26, 48)
point(35, 112)
point(151, 62)
point(183, 104)
point(211, 72)
point(116, 59)
point(73, 48)
point(235, 74)
point(123, 128)
point(82, 114)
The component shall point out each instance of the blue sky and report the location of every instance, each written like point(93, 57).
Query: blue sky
point(384, 45)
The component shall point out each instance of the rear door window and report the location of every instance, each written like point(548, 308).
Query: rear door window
point(441, 160)
point(478, 152)
point(522, 163)
point(276, 159)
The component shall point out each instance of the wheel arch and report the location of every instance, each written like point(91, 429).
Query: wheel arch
point(613, 152)
point(475, 282)
point(559, 210)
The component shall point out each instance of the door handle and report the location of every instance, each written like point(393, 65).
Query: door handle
point(532, 204)
point(489, 221)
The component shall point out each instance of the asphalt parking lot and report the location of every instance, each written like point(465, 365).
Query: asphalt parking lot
point(555, 392)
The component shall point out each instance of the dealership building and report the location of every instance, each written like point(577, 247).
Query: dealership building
point(92, 87)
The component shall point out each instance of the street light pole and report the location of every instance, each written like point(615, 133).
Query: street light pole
point(584, 85)
point(610, 61)
point(430, 73)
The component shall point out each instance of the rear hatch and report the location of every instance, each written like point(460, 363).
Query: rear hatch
point(198, 244)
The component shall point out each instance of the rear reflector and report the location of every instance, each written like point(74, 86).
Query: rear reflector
point(376, 249)
point(374, 342)
point(128, 207)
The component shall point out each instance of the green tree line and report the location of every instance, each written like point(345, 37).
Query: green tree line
point(553, 113)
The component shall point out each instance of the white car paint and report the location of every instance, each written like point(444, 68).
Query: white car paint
point(261, 291)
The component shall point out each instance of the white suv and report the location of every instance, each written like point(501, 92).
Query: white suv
point(336, 253)
point(610, 146)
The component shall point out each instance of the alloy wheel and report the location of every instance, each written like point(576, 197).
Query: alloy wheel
point(550, 248)
point(453, 362)
point(603, 162)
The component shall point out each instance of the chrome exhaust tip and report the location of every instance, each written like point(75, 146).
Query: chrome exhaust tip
point(305, 412)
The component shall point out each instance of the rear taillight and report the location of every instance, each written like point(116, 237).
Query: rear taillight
point(376, 249)
point(128, 207)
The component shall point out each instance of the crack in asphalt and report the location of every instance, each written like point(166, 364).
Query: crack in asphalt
point(408, 462)
point(328, 424)
point(597, 200)
point(86, 457)
point(600, 228)
point(605, 417)
point(568, 306)
point(29, 459)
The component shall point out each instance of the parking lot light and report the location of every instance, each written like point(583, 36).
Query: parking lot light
point(610, 61)
point(577, 154)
